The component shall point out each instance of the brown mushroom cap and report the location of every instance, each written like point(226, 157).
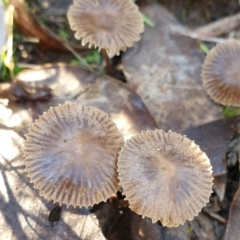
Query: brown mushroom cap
point(221, 73)
point(113, 25)
point(165, 176)
point(71, 155)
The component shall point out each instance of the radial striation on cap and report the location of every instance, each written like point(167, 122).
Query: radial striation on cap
point(71, 155)
point(221, 75)
point(165, 176)
point(113, 25)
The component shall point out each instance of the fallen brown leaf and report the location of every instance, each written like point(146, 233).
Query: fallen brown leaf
point(75, 84)
point(214, 138)
point(23, 213)
point(20, 90)
point(30, 26)
point(233, 229)
point(164, 69)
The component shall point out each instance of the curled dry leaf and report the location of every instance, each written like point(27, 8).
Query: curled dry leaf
point(113, 25)
point(173, 176)
point(220, 73)
point(20, 90)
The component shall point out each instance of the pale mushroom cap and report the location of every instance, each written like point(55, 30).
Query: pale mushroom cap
point(113, 25)
point(71, 155)
point(221, 73)
point(165, 176)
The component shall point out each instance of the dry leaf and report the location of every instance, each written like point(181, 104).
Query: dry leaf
point(233, 229)
point(31, 26)
point(23, 213)
point(164, 69)
point(75, 84)
point(214, 138)
point(20, 90)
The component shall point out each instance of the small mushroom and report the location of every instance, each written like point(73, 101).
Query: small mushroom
point(221, 75)
point(165, 176)
point(71, 155)
point(113, 25)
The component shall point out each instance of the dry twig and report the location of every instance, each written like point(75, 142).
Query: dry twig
point(219, 27)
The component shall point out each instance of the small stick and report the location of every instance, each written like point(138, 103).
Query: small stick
point(107, 61)
point(215, 216)
point(218, 27)
point(210, 31)
point(192, 34)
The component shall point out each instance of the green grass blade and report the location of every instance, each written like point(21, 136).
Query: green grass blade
point(147, 20)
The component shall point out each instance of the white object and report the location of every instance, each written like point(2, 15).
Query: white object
point(2, 30)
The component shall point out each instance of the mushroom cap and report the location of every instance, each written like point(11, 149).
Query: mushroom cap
point(221, 75)
point(165, 176)
point(113, 25)
point(71, 155)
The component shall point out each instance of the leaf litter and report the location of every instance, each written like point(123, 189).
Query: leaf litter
point(164, 69)
point(49, 84)
point(123, 105)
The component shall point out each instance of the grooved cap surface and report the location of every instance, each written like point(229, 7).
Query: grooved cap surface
point(113, 25)
point(221, 73)
point(165, 176)
point(71, 155)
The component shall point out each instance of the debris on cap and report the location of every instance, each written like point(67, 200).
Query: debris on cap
point(165, 176)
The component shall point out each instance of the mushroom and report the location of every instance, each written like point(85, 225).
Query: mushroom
point(165, 176)
point(220, 73)
point(71, 155)
point(113, 25)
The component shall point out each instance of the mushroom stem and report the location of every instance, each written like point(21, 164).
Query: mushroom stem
point(108, 63)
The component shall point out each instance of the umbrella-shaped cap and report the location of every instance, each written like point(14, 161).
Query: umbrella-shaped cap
point(71, 155)
point(113, 25)
point(221, 73)
point(165, 176)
